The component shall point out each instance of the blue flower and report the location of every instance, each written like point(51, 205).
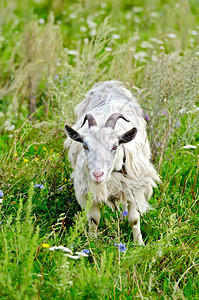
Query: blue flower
point(122, 247)
point(1, 193)
point(177, 124)
point(147, 118)
point(86, 251)
point(125, 213)
point(60, 188)
point(39, 186)
point(56, 77)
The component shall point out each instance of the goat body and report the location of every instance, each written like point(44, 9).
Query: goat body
point(114, 162)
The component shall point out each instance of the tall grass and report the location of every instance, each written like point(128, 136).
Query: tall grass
point(52, 52)
point(19, 240)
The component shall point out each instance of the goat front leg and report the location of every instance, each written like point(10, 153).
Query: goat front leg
point(94, 218)
point(134, 221)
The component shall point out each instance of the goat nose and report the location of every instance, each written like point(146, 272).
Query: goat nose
point(98, 174)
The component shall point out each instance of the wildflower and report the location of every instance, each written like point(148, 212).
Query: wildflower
point(147, 118)
point(39, 185)
point(165, 113)
point(128, 15)
point(125, 213)
point(8, 126)
point(116, 36)
point(194, 32)
point(41, 21)
point(83, 29)
point(25, 160)
point(86, 251)
point(177, 124)
point(1, 193)
point(156, 41)
point(141, 55)
point(90, 23)
point(137, 19)
point(171, 35)
point(45, 246)
point(137, 9)
point(66, 265)
point(108, 49)
point(44, 148)
point(184, 110)
point(60, 188)
point(86, 41)
point(72, 52)
point(121, 247)
point(15, 154)
point(158, 144)
point(146, 44)
point(1, 201)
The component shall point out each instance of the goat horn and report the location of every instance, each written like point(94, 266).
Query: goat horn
point(113, 119)
point(91, 120)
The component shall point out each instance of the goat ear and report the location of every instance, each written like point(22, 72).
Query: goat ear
point(73, 134)
point(128, 136)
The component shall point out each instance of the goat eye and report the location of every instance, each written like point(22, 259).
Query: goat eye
point(85, 147)
point(114, 148)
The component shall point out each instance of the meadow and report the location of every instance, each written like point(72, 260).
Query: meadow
point(51, 53)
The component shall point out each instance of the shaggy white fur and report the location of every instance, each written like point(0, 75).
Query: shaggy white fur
point(126, 174)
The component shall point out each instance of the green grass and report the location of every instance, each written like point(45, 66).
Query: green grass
point(51, 53)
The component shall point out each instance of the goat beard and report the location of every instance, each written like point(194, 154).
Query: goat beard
point(99, 192)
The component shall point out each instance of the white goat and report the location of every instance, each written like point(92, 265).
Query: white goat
point(114, 162)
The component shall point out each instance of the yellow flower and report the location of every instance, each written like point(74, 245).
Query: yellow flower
point(44, 148)
point(45, 245)
point(51, 150)
point(15, 154)
point(25, 160)
point(36, 158)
